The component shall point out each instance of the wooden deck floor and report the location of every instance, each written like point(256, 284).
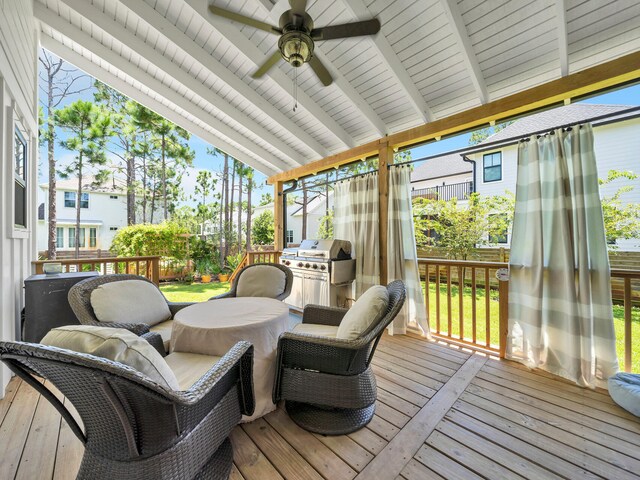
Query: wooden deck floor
point(442, 413)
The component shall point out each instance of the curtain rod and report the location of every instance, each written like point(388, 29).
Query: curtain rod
point(515, 140)
point(324, 184)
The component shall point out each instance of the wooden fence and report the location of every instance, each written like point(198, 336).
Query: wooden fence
point(619, 260)
point(148, 267)
point(481, 288)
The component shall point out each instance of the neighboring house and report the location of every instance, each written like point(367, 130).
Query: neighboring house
point(103, 211)
point(442, 177)
point(316, 209)
point(616, 143)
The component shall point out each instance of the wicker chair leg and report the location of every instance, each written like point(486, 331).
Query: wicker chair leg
point(327, 420)
point(219, 465)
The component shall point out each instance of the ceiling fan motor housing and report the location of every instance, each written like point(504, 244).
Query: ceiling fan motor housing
point(296, 47)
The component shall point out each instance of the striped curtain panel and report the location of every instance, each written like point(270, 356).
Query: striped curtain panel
point(402, 261)
point(355, 218)
point(560, 312)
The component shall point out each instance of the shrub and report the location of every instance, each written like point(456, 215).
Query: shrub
point(146, 239)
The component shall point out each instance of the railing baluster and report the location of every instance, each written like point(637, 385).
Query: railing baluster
point(627, 324)
point(437, 298)
point(487, 306)
point(473, 304)
point(460, 300)
point(448, 300)
point(426, 290)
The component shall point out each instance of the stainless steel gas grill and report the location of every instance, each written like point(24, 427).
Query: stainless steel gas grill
point(322, 272)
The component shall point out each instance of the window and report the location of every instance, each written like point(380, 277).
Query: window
point(289, 236)
point(113, 197)
point(81, 239)
point(72, 237)
point(20, 180)
point(492, 167)
point(92, 237)
point(70, 200)
point(501, 234)
point(59, 237)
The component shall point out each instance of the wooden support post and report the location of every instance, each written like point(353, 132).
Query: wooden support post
point(385, 158)
point(155, 266)
point(278, 213)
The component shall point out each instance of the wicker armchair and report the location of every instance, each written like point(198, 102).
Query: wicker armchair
point(80, 301)
point(327, 383)
point(236, 281)
point(132, 427)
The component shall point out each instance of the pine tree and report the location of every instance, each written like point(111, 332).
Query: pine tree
point(57, 82)
point(89, 127)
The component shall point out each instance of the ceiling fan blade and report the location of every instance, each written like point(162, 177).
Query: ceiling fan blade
point(298, 6)
point(271, 61)
point(322, 73)
point(355, 29)
point(236, 17)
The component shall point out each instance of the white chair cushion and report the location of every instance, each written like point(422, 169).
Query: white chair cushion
point(261, 281)
point(368, 309)
point(130, 301)
point(319, 330)
point(115, 344)
point(164, 329)
point(189, 367)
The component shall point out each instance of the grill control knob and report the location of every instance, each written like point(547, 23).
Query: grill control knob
point(315, 266)
point(287, 262)
point(323, 267)
point(300, 264)
point(306, 265)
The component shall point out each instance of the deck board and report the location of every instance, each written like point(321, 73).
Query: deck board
point(501, 420)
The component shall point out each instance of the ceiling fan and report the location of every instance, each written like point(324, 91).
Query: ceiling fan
point(297, 36)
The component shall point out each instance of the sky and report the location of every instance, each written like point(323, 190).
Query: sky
point(202, 161)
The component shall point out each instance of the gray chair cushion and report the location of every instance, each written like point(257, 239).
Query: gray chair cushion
point(261, 281)
point(129, 301)
point(368, 309)
point(115, 344)
point(319, 330)
point(189, 367)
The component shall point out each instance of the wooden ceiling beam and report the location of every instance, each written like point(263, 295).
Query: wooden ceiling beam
point(215, 68)
point(251, 52)
point(350, 93)
point(57, 23)
point(606, 75)
point(563, 39)
point(148, 101)
point(459, 29)
point(392, 62)
point(127, 38)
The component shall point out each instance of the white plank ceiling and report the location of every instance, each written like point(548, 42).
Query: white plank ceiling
point(431, 59)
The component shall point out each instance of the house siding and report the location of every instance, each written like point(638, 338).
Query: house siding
point(18, 104)
point(617, 147)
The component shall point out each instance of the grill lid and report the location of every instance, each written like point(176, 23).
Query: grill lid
point(328, 249)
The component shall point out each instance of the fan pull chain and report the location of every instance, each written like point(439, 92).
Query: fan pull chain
point(295, 90)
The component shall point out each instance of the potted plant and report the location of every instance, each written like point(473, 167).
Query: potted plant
point(199, 269)
point(224, 275)
point(206, 272)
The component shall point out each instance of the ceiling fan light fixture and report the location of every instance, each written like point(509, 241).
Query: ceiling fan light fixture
point(296, 48)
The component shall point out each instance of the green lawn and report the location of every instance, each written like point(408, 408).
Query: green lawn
point(618, 319)
point(193, 292)
point(199, 292)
